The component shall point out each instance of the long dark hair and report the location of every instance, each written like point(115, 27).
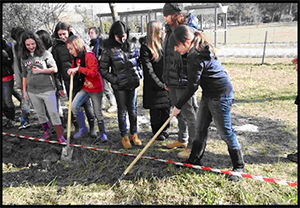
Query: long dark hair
point(45, 38)
point(24, 52)
point(117, 28)
point(61, 26)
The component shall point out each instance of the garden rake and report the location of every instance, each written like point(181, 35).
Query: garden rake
point(67, 152)
point(143, 150)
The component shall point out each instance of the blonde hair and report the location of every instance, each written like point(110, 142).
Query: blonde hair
point(154, 39)
point(77, 43)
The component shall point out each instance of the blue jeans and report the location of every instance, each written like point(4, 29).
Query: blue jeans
point(82, 97)
point(186, 118)
point(87, 105)
point(218, 110)
point(126, 102)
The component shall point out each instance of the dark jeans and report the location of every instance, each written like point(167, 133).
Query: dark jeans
point(7, 89)
point(126, 102)
point(158, 117)
point(217, 109)
point(8, 105)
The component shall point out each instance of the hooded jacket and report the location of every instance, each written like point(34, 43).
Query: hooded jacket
point(206, 71)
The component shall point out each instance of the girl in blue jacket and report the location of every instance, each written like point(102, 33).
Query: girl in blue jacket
point(217, 96)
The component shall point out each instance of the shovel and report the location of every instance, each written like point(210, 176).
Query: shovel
point(67, 152)
point(143, 150)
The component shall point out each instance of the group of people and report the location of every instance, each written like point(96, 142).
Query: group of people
point(174, 60)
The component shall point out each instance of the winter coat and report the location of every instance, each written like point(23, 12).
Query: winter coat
point(93, 81)
point(155, 95)
point(97, 46)
point(119, 68)
point(175, 71)
point(64, 61)
point(7, 60)
point(41, 82)
point(207, 72)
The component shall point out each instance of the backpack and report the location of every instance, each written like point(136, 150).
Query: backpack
point(192, 21)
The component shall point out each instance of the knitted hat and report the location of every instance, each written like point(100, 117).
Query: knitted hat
point(181, 32)
point(172, 8)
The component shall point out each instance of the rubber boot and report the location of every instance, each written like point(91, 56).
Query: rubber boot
point(63, 122)
point(47, 130)
point(197, 153)
point(93, 132)
point(81, 123)
point(74, 121)
point(103, 136)
point(59, 132)
point(238, 164)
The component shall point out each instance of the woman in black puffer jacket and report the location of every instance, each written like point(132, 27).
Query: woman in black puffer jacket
point(155, 96)
point(120, 69)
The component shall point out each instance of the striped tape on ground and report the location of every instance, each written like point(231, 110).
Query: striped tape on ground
point(228, 172)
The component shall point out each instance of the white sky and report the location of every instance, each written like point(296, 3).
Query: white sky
point(121, 7)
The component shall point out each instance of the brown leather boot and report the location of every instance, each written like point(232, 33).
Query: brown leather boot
point(135, 139)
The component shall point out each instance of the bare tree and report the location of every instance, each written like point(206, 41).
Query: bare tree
point(31, 16)
point(113, 11)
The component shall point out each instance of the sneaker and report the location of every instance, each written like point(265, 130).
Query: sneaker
point(136, 140)
point(126, 142)
point(24, 125)
point(184, 154)
point(176, 144)
point(112, 109)
point(293, 157)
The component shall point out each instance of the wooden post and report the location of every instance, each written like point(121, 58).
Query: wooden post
point(216, 26)
point(225, 32)
point(142, 26)
point(201, 20)
point(113, 11)
point(264, 48)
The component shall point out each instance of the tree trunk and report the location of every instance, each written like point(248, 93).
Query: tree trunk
point(113, 11)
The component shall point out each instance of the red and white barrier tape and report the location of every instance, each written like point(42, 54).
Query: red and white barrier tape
point(228, 172)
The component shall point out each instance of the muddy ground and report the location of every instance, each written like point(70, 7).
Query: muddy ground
point(40, 161)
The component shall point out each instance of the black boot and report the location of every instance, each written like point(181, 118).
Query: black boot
point(238, 164)
point(197, 153)
point(103, 136)
point(93, 132)
point(63, 122)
